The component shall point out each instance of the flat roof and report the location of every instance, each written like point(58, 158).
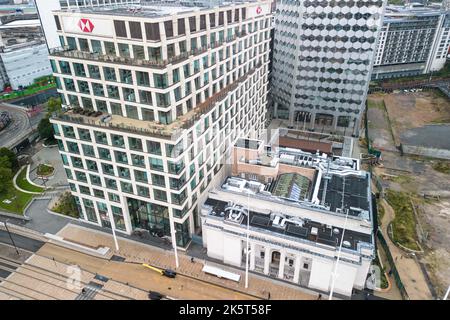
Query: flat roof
point(293, 227)
point(306, 145)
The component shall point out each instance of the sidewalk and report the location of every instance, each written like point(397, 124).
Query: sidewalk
point(410, 272)
point(259, 286)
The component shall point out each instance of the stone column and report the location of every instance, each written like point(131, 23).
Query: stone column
point(297, 269)
point(282, 262)
point(252, 256)
point(266, 260)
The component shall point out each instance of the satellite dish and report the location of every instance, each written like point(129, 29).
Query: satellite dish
point(346, 243)
point(336, 231)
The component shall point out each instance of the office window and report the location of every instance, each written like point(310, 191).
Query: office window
point(95, 180)
point(138, 52)
point(96, 46)
point(126, 187)
point(100, 137)
point(229, 13)
point(156, 164)
point(140, 176)
point(109, 74)
point(181, 27)
point(116, 108)
point(143, 79)
point(113, 92)
point(155, 54)
point(152, 31)
point(212, 20)
point(132, 111)
point(79, 70)
point(126, 76)
point(147, 115)
point(120, 29)
point(135, 30)
point(124, 172)
point(160, 195)
point(170, 50)
point(83, 87)
point(84, 45)
point(118, 141)
point(111, 184)
point(192, 26)
point(202, 22)
point(135, 143)
point(221, 18)
point(168, 27)
point(110, 48)
point(72, 43)
point(104, 154)
point(158, 180)
point(145, 97)
point(94, 72)
point(58, 24)
point(121, 157)
point(129, 95)
point(88, 150)
point(124, 50)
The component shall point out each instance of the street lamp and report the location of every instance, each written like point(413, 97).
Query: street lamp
point(447, 293)
point(247, 243)
point(174, 244)
point(12, 241)
point(334, 274)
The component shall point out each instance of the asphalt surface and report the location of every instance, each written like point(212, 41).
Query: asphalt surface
point(21, 241)
point(18, 129)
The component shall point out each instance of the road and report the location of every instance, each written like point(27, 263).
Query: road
point(19, 128)
point(44, 276)
point(22, 242)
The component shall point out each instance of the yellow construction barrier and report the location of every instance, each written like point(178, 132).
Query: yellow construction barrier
point(153, 268)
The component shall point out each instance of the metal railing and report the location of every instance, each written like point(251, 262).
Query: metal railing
point(68, 52)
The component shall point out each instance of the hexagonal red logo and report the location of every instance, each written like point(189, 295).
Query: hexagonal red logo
point(258, 10)
point(86, 25)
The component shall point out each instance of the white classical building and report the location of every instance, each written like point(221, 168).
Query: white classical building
point(155, 96)
point(297, 209)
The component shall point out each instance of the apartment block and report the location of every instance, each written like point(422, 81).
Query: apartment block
point(154, 98)
point(413, 41)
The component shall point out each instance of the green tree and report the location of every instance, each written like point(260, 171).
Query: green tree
point(53, 105)
point(6, 176)
point(14, 163)
point(45, 129)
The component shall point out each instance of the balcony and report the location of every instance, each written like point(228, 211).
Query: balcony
point(160, 64)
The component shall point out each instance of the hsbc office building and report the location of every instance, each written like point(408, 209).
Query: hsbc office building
point(154, 98)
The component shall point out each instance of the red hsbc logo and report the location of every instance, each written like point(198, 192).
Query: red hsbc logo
point(258, 10)
point(86, 25)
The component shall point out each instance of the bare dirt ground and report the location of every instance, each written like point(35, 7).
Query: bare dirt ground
point(413, 174)
point(413, 110)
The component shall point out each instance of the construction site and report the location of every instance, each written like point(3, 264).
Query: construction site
point(412, 176)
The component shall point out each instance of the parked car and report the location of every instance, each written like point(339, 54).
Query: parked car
point(169, 273)
point(153, 295)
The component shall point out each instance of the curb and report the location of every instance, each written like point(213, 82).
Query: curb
point(20, 189)
point(15, 216)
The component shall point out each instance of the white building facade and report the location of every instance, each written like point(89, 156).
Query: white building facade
point(155, 97)
point(297, 210)
point(322, 62)
point(24, 63)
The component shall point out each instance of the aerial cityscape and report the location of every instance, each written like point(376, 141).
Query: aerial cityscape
point(208, 150)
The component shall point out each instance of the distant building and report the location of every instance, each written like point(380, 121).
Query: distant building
point(322, 60)
point(23, 53)
point(414, 40)
point(298, 208)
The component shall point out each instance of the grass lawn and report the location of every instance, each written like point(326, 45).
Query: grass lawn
point(377, 104)
point(404, 224)
point(19, 200)
point(23, 183)
point(45, 170)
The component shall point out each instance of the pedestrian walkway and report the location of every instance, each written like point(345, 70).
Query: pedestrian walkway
point(410, 272)
point(259, 286)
